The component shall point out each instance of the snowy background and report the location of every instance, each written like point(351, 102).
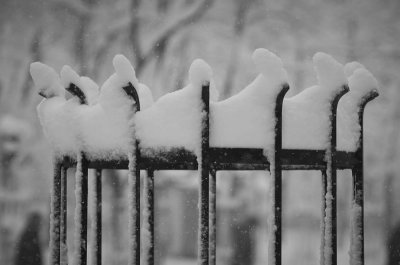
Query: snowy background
point(162, 38)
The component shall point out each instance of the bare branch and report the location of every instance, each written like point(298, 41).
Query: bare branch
point(75, 8)
point(101, 53)
point(134, 29)
point(190, 17)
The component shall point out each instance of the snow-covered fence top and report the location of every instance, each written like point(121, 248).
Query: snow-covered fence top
point(119, 126)
point(102, 123)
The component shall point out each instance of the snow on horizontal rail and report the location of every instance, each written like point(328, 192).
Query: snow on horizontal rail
point(247, 119)
point(105, 124)
point(174, 120)
point(102, 127)
point(306, 116)
point(362, 84)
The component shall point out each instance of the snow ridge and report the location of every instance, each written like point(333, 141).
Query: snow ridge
point(177, 114)
point(46, 80)
point(362, 83)
point(312, 107)
point(247, 118)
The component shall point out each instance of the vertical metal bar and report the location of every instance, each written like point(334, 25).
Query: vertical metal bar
point(81, 193)
point(357, 240)
point(55, 213)
point(357, 225)
point(134, 207)
point(276, 173)
point(97, 218)
point(330, 235)
point(204, 167)
point(149, 204)
point(213, 217)
point(323, 215)
point(63, 228)
point(134, 187)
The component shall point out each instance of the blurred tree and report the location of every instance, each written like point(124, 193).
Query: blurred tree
point(28, 249)
point(242, 8)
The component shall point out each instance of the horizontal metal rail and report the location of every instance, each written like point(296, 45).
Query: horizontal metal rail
point(226, 159)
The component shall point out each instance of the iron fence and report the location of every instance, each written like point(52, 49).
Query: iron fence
point(213, 159)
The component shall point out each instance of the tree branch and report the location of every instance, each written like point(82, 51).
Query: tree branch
point(190, 17)
point(101, 53)
point(134, 29)
point(75, 8)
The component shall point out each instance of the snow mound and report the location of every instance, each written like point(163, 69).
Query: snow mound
point(69, 76)
point(90, 89)
point(125, 70)
point(57, 117)
point(103, 128)
point(112, 95)
point(145, 96)
point(55, 112)
point(349, 68)
point(330, 73)
point(46, 80)
point(269, 65)
point(174, 120)
point(361, 84)
point(306, 115)
point(107, 126)
point(247, 119)
point(200, 73)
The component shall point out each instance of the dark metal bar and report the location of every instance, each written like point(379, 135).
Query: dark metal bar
point(76, 91)
point(213, 217)
point(134, 187)
point(276, 172)
point(81, 189)
point(55, 214)
point(82, 186)
point(97, 222)
point(330, 246)
point(323, 215)
point(228, 159)
point(204, 174)
point(149, 204)
point(358, 185)
point(63, 228)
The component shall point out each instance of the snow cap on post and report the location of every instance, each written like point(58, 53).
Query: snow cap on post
point(90, 88)
point(46, 80)
point(269, 65)
point(351, 67)
point(125, 70)
point(330, 73)
point(72, 83)
point(361, 83)
point(145, 95)
point(200, 73)
point(69, 76)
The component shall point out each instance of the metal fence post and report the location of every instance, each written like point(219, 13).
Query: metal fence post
point(358, 182)
point(149, 215)
point(213, 217)
point(276, 172)
point(97, 218)
point(81, 189)
point(55, 217)
point(330, 222)
point(134, 187)
point(63, 221)
point(204, 168)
